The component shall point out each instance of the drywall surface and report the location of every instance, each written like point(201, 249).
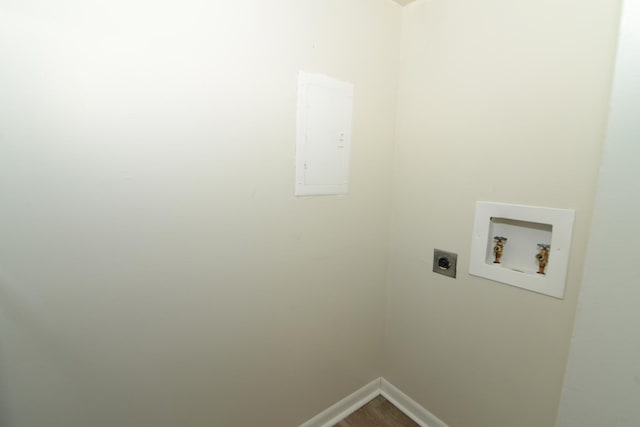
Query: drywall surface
point(155, 267)
point(602, 387)
point(499, 101)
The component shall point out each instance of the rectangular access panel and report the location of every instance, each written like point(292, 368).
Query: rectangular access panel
point(323, 142)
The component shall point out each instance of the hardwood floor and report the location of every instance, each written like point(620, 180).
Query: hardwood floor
point(377, 413)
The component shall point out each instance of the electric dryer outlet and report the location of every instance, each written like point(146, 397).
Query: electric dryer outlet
point(445, 263)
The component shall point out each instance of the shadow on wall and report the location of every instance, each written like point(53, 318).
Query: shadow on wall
point(18, 312)
point(9, 312)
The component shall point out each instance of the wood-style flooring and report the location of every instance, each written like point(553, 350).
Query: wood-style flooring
point(377, 413)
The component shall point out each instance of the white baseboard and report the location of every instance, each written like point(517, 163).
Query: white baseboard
point(345, 407)
point(409, 406)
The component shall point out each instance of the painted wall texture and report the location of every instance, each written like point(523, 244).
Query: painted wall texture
point(155, 268)
point(500, 101)
point(602, 386)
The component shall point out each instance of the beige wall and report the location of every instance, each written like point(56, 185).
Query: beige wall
point(602, 385)
point(502, 101)
point(155, 268)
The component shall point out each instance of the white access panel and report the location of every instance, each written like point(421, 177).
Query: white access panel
point(323, 143)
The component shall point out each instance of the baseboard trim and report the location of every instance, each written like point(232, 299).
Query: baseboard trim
point(345, 407)
point(409, 406)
